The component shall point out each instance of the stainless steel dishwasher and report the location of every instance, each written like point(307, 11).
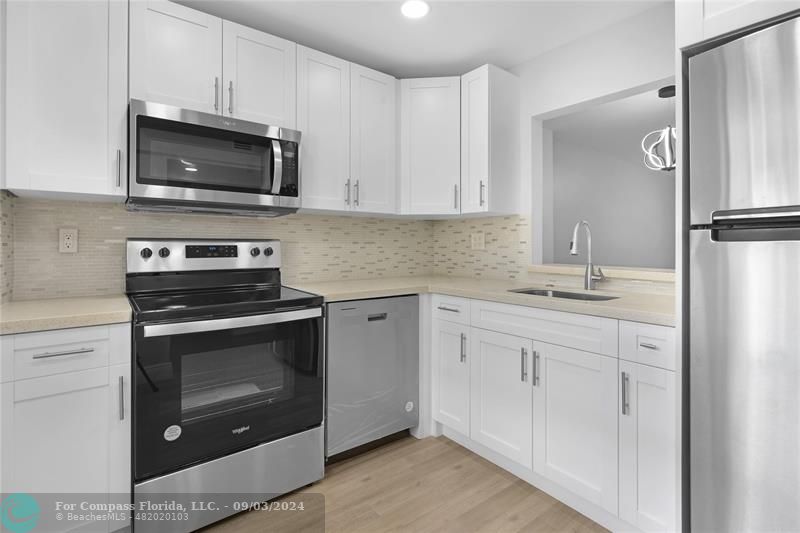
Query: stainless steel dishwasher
point(373, 370)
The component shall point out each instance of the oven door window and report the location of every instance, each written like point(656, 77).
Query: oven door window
point(175, 154)
point(202, 395)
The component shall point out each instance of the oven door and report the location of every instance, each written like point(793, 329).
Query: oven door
point(207, 388)
point(179, 155)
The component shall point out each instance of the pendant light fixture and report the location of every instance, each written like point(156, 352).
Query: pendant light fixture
point(659, 145)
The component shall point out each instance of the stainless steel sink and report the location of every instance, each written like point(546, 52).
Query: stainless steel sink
point(565, 294)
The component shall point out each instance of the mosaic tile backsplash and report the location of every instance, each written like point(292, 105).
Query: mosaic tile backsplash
point(6, 246)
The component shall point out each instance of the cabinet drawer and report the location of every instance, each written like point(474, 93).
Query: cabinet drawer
point(582, 332)
point(647, 344)
point(55, 352)
point(451, 308)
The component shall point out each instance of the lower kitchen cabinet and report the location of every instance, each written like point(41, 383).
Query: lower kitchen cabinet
point(501, 393)
point(575, 422)
point(451, 369)
point(648, 447)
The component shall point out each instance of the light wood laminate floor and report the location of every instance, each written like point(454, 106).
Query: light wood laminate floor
point(430, 485)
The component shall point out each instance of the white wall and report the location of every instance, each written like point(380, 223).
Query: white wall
point(626, 57)
point(631, 209)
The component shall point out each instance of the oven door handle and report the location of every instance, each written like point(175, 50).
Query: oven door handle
point(277, 179)
point(199, 326)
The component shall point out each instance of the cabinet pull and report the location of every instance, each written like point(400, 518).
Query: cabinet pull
point(121, 398)
point(455, 196)
point(119, 168)
point(216, 93)
point(523, 362)
point(463, 347)
point(482, 187)
point(450, 309)
point(535, 368)
point(347, 192)
point(356, 195)
point(648, 345)
point(626, 408)
point(47, 355)
point(230, 98)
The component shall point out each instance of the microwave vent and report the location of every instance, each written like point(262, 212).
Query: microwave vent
point(243, 146)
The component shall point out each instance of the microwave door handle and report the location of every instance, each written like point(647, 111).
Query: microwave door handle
point(200, 326)
point(277, 153)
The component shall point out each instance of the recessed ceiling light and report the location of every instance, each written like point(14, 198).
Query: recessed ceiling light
point(415, 9)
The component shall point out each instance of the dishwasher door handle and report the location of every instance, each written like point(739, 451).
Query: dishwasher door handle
point(378, 316)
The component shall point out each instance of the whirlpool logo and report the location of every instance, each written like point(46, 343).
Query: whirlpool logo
point(20, 513)
point(239, 431)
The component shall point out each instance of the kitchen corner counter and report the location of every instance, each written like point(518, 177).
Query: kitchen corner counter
point(60, 313)
point(649, 308)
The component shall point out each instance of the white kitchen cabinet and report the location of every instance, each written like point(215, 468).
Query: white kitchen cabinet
point(373, 140)
point(323, 116)
point(489, 141)
point(501, 393)
point(647, 447)
point(66, 98)
point(575, 422)
point(260, 75)
point(430, 139)
point(450, 376)
point(702, 20)
point(175, 56)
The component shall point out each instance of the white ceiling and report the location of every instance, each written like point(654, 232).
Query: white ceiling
point(616, 127)
point(454, 38)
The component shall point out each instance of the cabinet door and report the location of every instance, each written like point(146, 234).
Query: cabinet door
point(259, 76)
point(647, 447)
point(430, 133)
point(176, 56)
point(119, 437)
point(575, 417)
point(323, 116)
point(67, 97)
point(501, 394)
point(451, 356)
point(475, 141)
point(373, 140)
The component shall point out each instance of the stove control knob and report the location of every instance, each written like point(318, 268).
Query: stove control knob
point(163, 252)
point(268, 251)
point(255, 252)
point(146, 253)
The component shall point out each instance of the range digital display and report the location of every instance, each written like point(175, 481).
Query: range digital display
point(211, 250)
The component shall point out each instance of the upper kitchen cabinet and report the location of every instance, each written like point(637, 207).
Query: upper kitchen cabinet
point(176, 56)
point(702, 20)
point(489, 141)
point(323, 116)
point(373, 140)
point(188, 59)
point(430, 123)
point(66, 98)
point(260, 74)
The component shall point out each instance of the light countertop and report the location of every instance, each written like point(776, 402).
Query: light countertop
point(634, 306)
point(60, 313)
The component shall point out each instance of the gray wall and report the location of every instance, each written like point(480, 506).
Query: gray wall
point(631, 209)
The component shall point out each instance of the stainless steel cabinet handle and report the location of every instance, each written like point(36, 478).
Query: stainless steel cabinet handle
point(230, 98)
point(443, 308)
point(47, 355)
point(626, 409)
point(482, 187)
point(119, 168)
point(356, 189)
point(455, 196)
point(216, 94)
point(121, 398)
point(535, 368)
point(523, 361)
point(277, 154)
point(463, 347)
point(648, 345)
point(347, 191)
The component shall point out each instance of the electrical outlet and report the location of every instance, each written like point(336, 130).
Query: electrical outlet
point(68, 240)
point(477, 241)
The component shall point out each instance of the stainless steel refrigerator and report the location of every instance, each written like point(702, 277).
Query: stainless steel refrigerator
point(744, 283)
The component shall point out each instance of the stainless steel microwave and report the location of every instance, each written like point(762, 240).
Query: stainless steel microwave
point(183, 160)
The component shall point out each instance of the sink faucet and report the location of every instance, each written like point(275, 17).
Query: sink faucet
point(589, 276)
